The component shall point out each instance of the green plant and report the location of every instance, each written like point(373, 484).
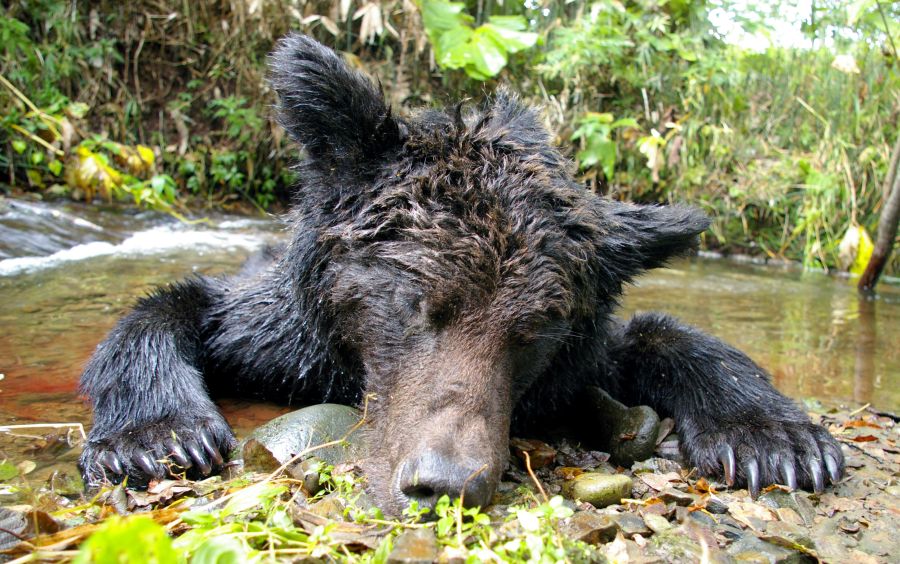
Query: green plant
point(598, 148)
point(481, 51)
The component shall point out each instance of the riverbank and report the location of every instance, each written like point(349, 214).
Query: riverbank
point(305, 513)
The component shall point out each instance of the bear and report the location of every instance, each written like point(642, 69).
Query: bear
point(446, 266)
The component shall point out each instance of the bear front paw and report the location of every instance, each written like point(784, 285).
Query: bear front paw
point(169, 447)
point(794, 454)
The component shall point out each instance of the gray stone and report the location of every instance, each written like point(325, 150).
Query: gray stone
point(630, 524)
point(749, 548)
point(657, 523)
point(630, 432)
point(282, 438)
point(599, 490)
point(416, 546)
point(589, 527)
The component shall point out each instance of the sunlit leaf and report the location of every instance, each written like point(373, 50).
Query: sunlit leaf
point(8, 471)
point(55, 167)
point(77, 109)
point(146, 154)
point(135, 539)
point(19, 146)
point(220, 550)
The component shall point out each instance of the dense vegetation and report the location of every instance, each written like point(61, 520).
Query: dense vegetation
point(165, 101)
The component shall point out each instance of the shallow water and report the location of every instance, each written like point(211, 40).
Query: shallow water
point(810, 331)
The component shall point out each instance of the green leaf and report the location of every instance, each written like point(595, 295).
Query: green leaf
point(78, 109)
point(506, 30)
point(134, 539)
point(624, 122)
point(440, 16)
point(19, 146)
point(37, 158)
point(55, 167)
point(8, 471)
point(220, 550)
point(489, 56)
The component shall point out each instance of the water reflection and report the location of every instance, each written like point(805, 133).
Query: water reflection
point(815, 335)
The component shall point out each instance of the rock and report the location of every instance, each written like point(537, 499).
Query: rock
point(416, 546)
point(793, 500)
point(631, 433)
point(783, 534)
point(657, 523)
point(751, 549)
point(671, 495)
point(540, 454)
point(589, 527)
point(676, 546)
point(716, 505)
point(308, 473)
point(599, 490)
point(282, 438)
point(630, 524)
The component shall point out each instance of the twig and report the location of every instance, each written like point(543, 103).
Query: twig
point(860, 410)
point(79, 426)
point(533, 477)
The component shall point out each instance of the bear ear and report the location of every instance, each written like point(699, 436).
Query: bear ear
point(646, 236)
point(335, 112)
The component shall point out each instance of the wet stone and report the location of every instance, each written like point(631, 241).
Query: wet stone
point(749, 548)
point(416, 546)
point(676, 546)
point(671, 495)
point(331, 507)
point(589, 527)
point(600, 490)
point(282, 438)
point(716, 505)
point(630, 524)
point(793, 533)
point(657, 523)
point(631, 432)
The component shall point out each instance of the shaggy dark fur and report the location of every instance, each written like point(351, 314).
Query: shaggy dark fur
point(448, 264)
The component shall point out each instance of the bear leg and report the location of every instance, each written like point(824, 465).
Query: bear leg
point(730, 419)
point(152, 413)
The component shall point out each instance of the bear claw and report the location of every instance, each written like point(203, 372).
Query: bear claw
point(726, 457)
point(751, 471)
point(169, 447)
point(788, 474)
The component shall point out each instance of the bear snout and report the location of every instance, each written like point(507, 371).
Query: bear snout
point(426, 476)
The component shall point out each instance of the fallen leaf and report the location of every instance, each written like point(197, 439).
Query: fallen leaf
point(659, 482)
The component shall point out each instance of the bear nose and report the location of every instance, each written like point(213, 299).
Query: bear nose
point(431, 474)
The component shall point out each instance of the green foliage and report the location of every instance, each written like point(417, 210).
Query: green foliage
point(241, 122)
point(483, 51)
point(129, 540)
point(599, 149)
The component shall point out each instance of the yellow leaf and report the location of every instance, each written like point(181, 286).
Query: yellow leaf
point(863, 254)
point(146, 154)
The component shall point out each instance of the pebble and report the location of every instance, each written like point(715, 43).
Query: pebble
point(630, 524)
point(416, 546)
point(589, 527)
point(657, 523)
point(749, 548)
point(600, 490)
